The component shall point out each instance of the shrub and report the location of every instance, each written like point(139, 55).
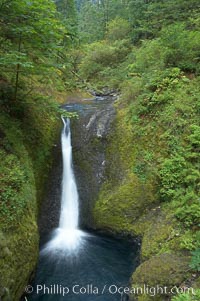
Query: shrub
point(188, 297)
point(118, 29)
point(195, 261)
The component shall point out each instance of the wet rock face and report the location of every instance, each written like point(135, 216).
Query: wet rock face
point(89, 140)
point(50, 207)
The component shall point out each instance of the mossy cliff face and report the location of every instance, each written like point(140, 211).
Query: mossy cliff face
point(129, 203)
point(123, 198)
point(25, 154)
point(19, 252)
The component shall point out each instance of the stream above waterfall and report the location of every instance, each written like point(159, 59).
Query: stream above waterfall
point(75, 264)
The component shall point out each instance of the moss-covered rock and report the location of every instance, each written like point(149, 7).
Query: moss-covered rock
point(165, 270)
point(25, 155)
point(162, 235)
point(118, 208)
point(18, 257)
point(124, 198)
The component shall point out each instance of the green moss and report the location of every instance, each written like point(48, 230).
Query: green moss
point(162, 235)
point(124, 195)
point(118, 208)
point(18, 191)
point(165, 270)
point(18, 257)
point(120, 152)
point(25, 155)
point(41, 129)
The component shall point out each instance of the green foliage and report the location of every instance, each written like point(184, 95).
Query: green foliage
point(190, 240)
point(181, 47)
point(103, 62)
point(188, 296)
point(175, 47)
point(13, 179)
point(94, 18)
point(34, 40)
point(66, 114)
point(117, 29)
point(149, 17)
point(91, 23)
point(17, 192)
point(195, 262)
point(177, 125)
point(29, 32)
point(68, 10)
point(171, 176)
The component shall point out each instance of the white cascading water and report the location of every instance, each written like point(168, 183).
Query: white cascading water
point(69, 200)
point(67, 237)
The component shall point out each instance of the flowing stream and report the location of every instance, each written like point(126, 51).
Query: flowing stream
point(76, 265)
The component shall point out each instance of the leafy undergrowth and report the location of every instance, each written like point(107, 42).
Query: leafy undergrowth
point(188, 296)
point(166, 122)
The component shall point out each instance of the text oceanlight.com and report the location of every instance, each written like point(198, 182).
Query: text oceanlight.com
point(90, 289)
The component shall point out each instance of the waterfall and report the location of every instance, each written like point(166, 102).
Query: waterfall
point(69, 200)
point(67, 237)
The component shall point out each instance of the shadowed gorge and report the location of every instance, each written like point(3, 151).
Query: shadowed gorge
point(75, 263)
